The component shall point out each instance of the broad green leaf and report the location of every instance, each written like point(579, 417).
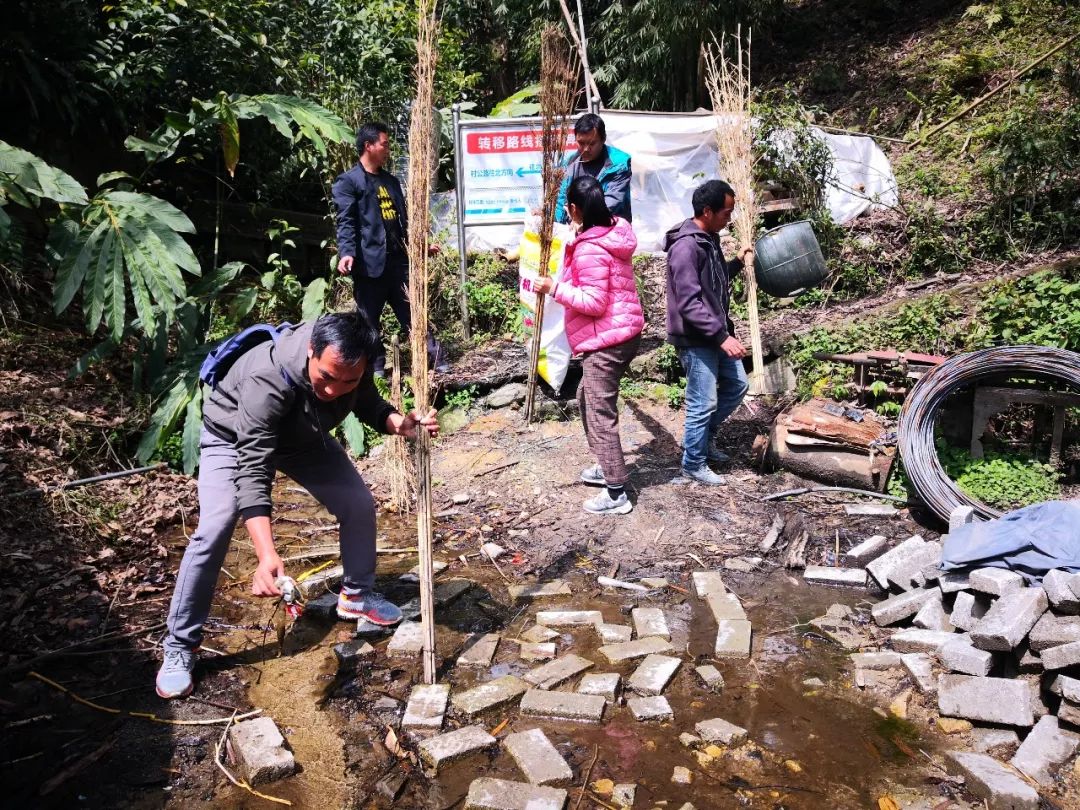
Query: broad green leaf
point(354, 435)
point(192, 430)
point(34, 177)
point(5, 224)
point(314, 303)
point(229, 129)
point(244, 302)
point(210, 285)
point(111, 177)
point(164, 417)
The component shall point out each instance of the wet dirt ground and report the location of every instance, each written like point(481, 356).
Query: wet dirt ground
point(811, 746)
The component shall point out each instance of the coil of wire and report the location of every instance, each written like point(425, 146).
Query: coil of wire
point(919, 417)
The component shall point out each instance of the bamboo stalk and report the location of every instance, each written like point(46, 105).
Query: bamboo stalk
point(421, 162)
point(558, 79)
point(729, 89)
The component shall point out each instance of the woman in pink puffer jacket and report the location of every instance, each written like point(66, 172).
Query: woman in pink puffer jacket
point(604, 322)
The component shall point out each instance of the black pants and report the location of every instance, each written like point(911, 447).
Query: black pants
point(392, 287)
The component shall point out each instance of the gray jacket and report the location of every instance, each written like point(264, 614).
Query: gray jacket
point(255, 408)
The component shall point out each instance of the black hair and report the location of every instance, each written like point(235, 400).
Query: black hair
point(349, 332)
point(369, 133)
point(589, 122)
point(713, 195)
point(585, 192)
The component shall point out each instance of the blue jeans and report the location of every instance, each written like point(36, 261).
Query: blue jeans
point(715, 387)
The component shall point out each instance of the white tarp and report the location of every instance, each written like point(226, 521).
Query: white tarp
point(674, 153)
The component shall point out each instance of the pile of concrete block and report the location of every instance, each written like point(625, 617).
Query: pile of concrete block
point(733, 629)
point(991, 649)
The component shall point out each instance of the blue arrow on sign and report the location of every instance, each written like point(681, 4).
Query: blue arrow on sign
point(522, 171)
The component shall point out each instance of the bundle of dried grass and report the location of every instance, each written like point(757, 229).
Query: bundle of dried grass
point(728, 82)
point(558, 93)
point(421, 162)
point(400, 470)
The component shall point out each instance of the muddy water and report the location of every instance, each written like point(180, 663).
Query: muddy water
point(811, 747)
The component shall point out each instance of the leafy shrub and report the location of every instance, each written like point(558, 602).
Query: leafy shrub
point(999, 479)
point(1041, 309)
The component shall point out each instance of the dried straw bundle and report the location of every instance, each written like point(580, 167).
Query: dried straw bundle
point(421, 161)
point(400, 469)
point(558, 93)
point(729, 88)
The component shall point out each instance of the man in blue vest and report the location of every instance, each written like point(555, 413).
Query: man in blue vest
point(372, 233)
point(608, 164)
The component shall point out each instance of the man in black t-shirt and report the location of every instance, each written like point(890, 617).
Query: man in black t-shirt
point(372, 225)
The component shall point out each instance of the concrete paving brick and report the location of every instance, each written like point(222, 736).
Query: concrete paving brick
point(487, 793)
point(623, 795)
point(349, 654)
point(961, 516)
point(480, 650)
point(563, 705)
point(259, 751)
point(1051, 631)
point(650, 708)
point(897, 559)
point(995, 581)
point(838, 577)
point(553, 673)
point(326, 580)
point(1069, 712)
point(606, 684)
point(841, 630)
point(968, 608)
point(951, 582)
point(725, 606)
point(932, 615)
point(629, 650)
point(1003, 701)
point(413, 575)
point(710, 677)
point(537, 652)
point(1045, 749)
point(988, 779)
point(537, 758)
point(919, 641)
point(921, 670)
point(865, 552)
point(958, 655)
point(913, 571)
point(650, 622)
point(538, 634)
point(489, 695)
point(870, 509)
point(876, 660)
point(653, 674)
point(323, 607)
point(1000, 742)
point(901, 606)
point(1064, 655)
point(733, 638)
point(408, 640)
point(1010, 618)
point(539, 590)
point(427, 706)
point(569, 618)
point(444, 748)
point(721, 731)
point(1068, 688)
point(614, 633)
point(450, 589)
point(707, 583)
point(1059, 590)
point(1027, 661)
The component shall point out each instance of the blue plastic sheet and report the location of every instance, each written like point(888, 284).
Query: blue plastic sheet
point(1030, 541)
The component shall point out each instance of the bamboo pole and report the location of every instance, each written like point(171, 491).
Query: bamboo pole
point(729, 89)
point(558, 77)
point(421, 163)
point(399, 468)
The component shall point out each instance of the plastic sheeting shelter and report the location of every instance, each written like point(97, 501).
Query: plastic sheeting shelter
point(673, 153)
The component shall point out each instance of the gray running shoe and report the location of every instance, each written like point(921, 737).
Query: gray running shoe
point(368, 605)
point(602, 504)
point(593, 475)
point(704, 475)
point(174, 678)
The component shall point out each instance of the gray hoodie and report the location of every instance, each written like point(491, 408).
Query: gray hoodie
point(265, 417)
point(698, 288)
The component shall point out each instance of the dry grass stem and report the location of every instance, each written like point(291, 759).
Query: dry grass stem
point(558, 94)
point(400, 470)
point(421, 166)
point(728, 81)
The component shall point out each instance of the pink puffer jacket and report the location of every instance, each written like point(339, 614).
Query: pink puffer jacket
point(597, 288)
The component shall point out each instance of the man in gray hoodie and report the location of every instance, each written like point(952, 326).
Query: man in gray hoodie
point(273, 410)
point(700, 327)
